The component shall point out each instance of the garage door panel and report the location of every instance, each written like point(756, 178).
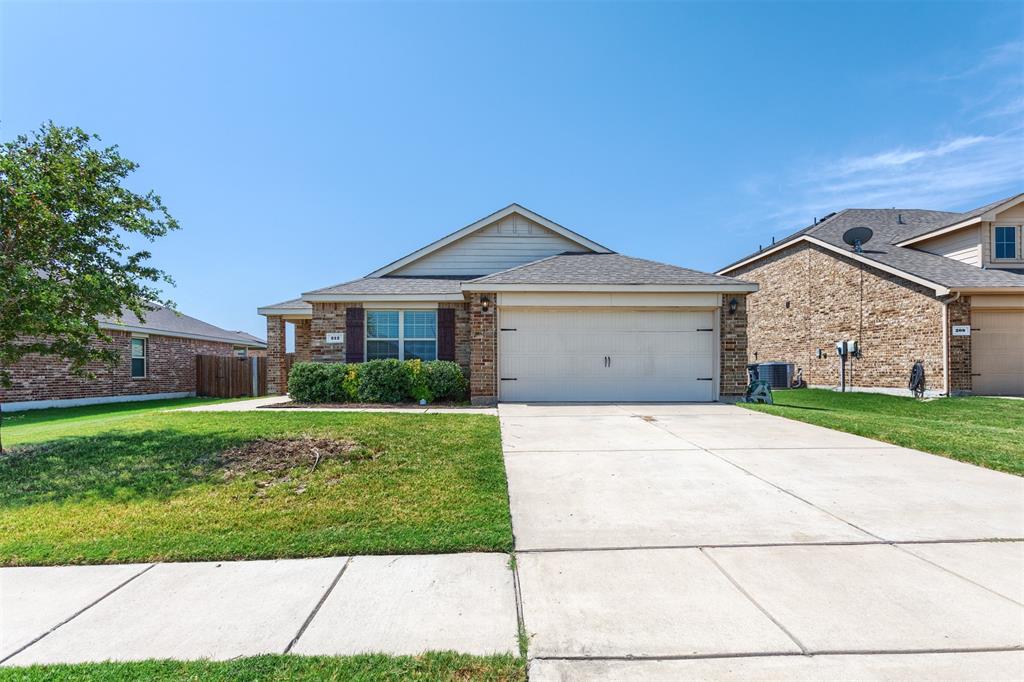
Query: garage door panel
point(657, 355)
point(997, 355)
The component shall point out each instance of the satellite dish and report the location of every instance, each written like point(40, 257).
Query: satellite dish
point(857, 237)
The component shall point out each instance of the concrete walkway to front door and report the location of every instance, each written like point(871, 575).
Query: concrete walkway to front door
point(708, 541)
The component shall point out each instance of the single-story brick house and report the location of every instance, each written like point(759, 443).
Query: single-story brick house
point(532, 311)
point(157, 360)
point(946, 289)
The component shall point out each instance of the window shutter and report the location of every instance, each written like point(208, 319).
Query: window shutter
point(445, 334)
point(354, 329)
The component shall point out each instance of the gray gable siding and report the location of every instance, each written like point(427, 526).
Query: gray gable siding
point(508, 242)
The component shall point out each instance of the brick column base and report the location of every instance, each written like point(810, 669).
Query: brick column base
point(733, 351)
point(277, 382)
point(483, 350)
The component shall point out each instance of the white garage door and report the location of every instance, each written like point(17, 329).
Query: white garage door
point(997, 361)
point(606, 355)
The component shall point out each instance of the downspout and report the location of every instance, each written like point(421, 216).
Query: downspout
point(945, 343)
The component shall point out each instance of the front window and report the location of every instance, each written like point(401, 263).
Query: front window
point(401, 334)
point(139, 358)
point(1006, 242)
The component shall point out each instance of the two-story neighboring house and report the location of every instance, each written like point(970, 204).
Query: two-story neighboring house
point(532, 311)
point(946, 289)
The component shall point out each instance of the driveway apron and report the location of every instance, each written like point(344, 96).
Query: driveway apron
point(708, 541)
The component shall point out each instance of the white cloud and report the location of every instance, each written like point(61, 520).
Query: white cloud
point(947, 175)
point(901, 157)
point(994, 57)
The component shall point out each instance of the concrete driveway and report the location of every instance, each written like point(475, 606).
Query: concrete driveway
point(709, 541)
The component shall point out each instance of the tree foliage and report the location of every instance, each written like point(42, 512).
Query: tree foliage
point(67, 223)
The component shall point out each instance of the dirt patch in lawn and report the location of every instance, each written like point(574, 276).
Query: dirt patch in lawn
point(278, 455)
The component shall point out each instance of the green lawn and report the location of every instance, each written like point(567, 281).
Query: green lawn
point(988, 432)
point(428, 667)
point(120, 484)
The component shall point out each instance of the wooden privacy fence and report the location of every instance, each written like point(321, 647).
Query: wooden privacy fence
point(227, 376)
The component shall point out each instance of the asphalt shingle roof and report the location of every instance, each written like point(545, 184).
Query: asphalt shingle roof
point(291, 303)
point(394, 285)
point(171, 323)
point(601, 268)
point(956, 218)
point(891, 225)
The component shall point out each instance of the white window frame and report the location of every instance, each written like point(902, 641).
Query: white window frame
point(402, 338)
point(1016, 242)
point(144, 358)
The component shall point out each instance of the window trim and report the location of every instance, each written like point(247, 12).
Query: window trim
point(1016, 232)
point(144, 357)
point(402, 338)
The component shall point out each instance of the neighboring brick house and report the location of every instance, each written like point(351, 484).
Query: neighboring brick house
point(157, 360)
point(946, 289)
point(532, 311)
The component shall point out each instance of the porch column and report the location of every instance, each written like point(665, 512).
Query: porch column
point(303, 330)
point(277, 382)
point(483, 351)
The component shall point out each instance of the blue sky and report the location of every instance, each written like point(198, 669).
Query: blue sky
point(301, 145)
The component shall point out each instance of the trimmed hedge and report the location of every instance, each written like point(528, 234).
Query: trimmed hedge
point(377, 381)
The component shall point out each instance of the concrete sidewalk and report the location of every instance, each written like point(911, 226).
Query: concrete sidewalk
point(268, 404)
point(223, 610)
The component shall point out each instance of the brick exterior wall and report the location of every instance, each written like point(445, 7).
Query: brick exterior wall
point(328, 317)
point(959, 348)
point(733, 347)
point(170, 368)
point(303, 336)
point(810, 298)
point(276, 380)
point(483, 372)
point(463, 335)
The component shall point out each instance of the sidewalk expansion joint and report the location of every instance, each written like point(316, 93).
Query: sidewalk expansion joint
point(76, 614)
point(753, 601)
point(316, 609)
point(954, 573)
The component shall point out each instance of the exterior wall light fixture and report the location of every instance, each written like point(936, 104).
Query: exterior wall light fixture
point(733, 305)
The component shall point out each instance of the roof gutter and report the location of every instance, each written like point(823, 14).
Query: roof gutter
point(988, 290)
point(358, 298)
point(737, 287)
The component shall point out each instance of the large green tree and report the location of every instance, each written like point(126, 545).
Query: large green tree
point(67, 224)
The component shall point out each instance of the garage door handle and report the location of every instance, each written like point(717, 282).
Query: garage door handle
point(705, 379)
point(509, 379)
point(705, 330)
point(508, 329)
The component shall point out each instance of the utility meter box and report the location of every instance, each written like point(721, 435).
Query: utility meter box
point(841, 348)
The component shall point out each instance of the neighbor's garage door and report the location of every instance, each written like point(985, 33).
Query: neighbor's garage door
point(606, 355)
point(997, 355)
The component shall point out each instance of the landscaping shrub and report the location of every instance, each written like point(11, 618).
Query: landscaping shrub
point(350, 384)
point(384, 381)
point(377, 381)
point(418, 388)
point(317, 382)
point(445, 380)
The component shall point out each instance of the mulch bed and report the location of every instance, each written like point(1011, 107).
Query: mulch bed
point(376, 406)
